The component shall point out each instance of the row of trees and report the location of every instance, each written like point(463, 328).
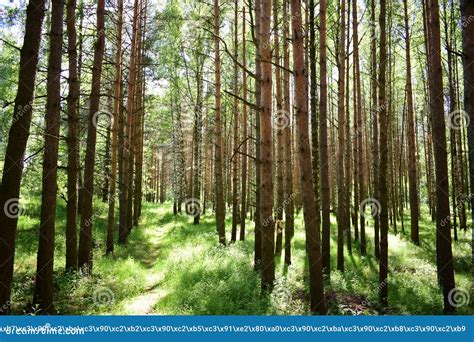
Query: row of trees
point(358, 109)
point(120, 111)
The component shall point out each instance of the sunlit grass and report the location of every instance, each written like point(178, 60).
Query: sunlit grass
point(171, 266)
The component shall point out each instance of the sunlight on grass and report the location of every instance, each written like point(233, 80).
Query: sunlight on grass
point(171, 266)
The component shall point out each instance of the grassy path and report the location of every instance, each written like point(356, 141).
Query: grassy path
point(171, 266)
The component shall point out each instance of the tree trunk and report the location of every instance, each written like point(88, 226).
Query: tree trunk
point(359, 130)
point(258, 163)
point(245, 137)
point(72, 140)
point(341, 192)
point(127, 194)
point(85, 240)
point(313, 244)
point(266, 146)
point(467, 11)
point(375, 125)
point(383, 153)
point(219, 151)
point(279, 127)
point(412, 164)
point(16, 146)
point(443, 224)
point(323, 141)
point(235, 124)
point(289, 195)
point(117, 104)
point(43, 296)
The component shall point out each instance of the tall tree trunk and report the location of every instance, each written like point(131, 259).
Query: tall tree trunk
point(443, 224)
point(16, 147)
point(323, 141)
point(289, 195)
point(72, 140)
point(412, 165)
point(359, 129)
point(341, 192)
point(85, 240)
point(235, 124)
point(266, 146)
point(219, 148)
point(375, 125)
point(313, 93)
point(279, 127)
point(127, 166)
point(467, 12)
point(383, 153)
point(313, 243)
point(258, 164)
point(243, 214)
point(43, 296)
point(117, 104)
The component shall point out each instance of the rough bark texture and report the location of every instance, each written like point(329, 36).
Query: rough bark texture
point(467, 11)
point(116, 113)
point(266, 146)
point(323, 141)
point(443, 223)
point(289, 195)
point(43, 295)
point(383, 153)
point(72, 140)
point(243, 214)
point(341, 191)
point(219, 147)
point(313, 243)
point(258, 165)
point(412, 163)
point(16, 146)
point(85, 238)
point(359, 130)
point(279, 127)
point(235, 125)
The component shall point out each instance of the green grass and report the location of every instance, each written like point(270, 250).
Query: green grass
point(171, 266)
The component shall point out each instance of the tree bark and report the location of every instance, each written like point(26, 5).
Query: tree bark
point(467, 11)
point(323, 141)
point(85, 239)
point(219, 151)
point(16, 147)
point(266, 146)
point(383, 153)
point(288, 144)
point(313, 243)
point(341, 192)
point(43, 295)
point(72, 140)
point(279, 127)
point(443, 223)
point(412, 164)
point(117, 104)
point(243, 214)
point(235, 124)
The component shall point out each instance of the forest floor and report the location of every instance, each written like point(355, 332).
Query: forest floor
point(171, 266)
